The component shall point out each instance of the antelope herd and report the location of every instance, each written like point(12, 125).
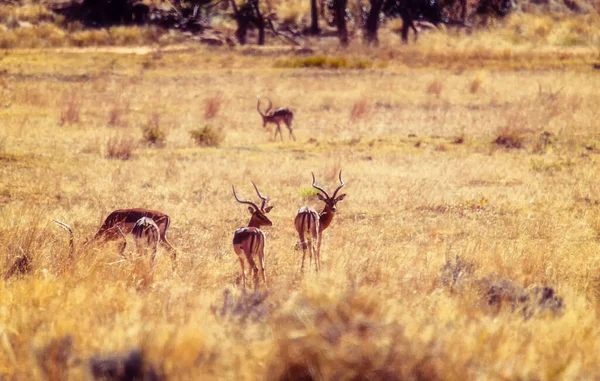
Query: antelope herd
point(149, 228)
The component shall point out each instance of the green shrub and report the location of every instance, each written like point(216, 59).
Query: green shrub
point(208, 136)
point(308, 193)
point(323, 62)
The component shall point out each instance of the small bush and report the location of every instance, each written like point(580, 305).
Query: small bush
point(435, 88)
point(359, 110)
point(323, 62)
point(212, 105)
point(477, 83)
point(116, 113)
point(308, 193)
point(120, 147)
point(71, 109)
point(509, 138)
point(153, 134)
point(3, 140)
point(208, 136)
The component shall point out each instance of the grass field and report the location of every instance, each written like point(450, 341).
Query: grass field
point(414, 134)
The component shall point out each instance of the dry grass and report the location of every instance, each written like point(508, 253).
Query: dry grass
point(120, 147)
point(391, 301)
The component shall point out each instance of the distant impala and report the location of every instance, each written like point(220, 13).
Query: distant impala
point(249, 242)
point(310, 224)
point(277, 116)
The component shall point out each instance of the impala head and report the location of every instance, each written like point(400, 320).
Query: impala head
point(330, 202)
point(259, 215)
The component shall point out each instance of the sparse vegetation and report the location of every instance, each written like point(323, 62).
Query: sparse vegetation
point(71, 108)
point(120, 147)
point(208, 136)
point(153, 134)
point(212, 105)
point(445, 262)
point(324, 62)
point(359, 110)
point(435, 88)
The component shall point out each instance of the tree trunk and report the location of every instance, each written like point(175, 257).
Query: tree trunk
point(314, 17)
point(372, 24)
point(340, 21)
point(260, 22)
point(261, 31)
point(242, 24)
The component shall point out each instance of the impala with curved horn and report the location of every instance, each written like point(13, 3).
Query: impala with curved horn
point(310, 224)
point(277, 116)
point(249, 242)
point(147, 235)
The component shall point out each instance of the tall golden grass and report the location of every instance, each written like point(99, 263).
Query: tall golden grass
point(392, 300)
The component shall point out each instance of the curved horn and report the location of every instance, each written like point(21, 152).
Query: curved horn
point(314, 184)
point(341, 186)
point(243, 201)
point(258, 107)
point(264, 199)
point(270, 105)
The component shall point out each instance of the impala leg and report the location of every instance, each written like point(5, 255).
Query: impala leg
point(254, 271)
point(262, 267)
point(243, 273)
point(318, 254)
point(289, 127)
point(303, 244)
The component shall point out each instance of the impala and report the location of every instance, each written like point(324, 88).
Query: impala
point(277, 116)
point(125, 220)
point(147, 235)
point(249, 242)
point(310, 224)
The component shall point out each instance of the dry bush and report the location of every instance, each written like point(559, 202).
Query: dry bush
point(359, 110)
point(477, 83)
point(212, 105)
point(53, 359)
point(117, 112)
point(71, 109)
point(509, 138)
point(153, 133)
point(208, 136)
point(120, 147)
point(435, 88)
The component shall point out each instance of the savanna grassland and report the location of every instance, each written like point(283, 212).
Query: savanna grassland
point(471, 168)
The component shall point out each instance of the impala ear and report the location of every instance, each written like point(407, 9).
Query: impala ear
point(320, 196)
point(268, 209)
point(251, 210)
point(340, 197)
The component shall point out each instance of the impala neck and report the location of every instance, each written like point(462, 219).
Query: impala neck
point(325, 218)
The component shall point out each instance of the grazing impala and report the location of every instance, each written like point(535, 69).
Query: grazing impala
point(310, 224)
point(125, 219)
point(277, 116)
point(249, 242)
point(147, 235)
